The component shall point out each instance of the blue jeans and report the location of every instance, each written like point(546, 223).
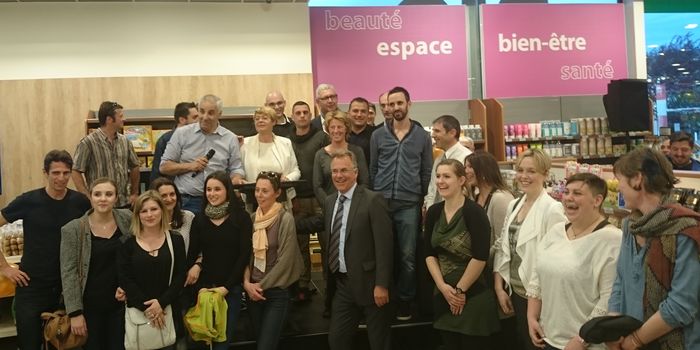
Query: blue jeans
point(233, 300)
point(268, 317)
point(30, 302)
point(192, 203)
point(406, 220)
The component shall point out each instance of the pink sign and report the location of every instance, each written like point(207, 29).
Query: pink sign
point(552, 50)
point(364, 51)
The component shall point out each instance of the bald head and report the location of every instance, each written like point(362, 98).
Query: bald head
point(276, 101)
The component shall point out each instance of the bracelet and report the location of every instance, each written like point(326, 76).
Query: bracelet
point(635, 339)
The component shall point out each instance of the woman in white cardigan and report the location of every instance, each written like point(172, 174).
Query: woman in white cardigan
point(527, 221)
point(266, 151)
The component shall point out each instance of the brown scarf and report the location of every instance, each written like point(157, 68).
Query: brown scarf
point(660, 228)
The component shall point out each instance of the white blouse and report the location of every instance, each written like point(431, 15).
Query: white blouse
point(575, 278)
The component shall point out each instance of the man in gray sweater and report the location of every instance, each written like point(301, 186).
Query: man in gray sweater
point(306, 140)
point(401, 159)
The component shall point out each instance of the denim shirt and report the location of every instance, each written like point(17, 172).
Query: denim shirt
point(681, 308)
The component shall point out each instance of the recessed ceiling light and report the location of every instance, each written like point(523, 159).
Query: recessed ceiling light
point(653, 46)
point(661, 54)
point(675, 64)
point(683, 50)
point(691, 26)
point(686, 72)
point(680, 68)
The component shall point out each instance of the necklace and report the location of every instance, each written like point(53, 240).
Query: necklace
point(93, 226)
point(596, 221)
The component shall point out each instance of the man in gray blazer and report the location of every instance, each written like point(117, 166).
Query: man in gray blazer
point(358, 254)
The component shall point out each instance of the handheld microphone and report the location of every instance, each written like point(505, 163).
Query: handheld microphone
point(209, 155)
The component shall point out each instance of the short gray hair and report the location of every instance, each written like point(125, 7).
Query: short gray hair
point(322, 87)
point(213, 98)
point(345, 154)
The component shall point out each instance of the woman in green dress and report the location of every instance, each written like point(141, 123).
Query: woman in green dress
point(457, 240)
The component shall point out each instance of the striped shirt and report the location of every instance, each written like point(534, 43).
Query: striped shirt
point(96, 156)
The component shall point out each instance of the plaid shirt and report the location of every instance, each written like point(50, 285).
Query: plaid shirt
point(96, 156)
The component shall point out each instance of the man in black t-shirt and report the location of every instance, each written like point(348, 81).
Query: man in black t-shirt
point(43, 211)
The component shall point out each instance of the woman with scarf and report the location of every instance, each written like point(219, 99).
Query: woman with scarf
point(457, 241)
point(276, 262)
point(657, 271)
point(220, 246)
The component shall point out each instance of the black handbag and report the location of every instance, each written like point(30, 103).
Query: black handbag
point(608, 328)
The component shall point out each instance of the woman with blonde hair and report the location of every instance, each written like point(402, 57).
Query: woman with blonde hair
point(338, 126)
point(528, 219)
point(152, 262)
point(658, 267)
point(89, 273)
point(266, 151)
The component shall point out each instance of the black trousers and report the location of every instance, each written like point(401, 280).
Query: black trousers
point(345, 317)
point(105, 328)
point(458, 341)
point(521, 329)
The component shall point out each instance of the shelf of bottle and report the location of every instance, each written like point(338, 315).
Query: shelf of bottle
point(569, 158)
point(599, 156)
point(511, 139)
point(539, 139)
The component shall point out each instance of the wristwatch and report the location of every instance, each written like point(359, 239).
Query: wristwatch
point(459, 290)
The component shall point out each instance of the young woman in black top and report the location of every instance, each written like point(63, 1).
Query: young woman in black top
point(89, 249)
point(145, 260)
point(221, 235)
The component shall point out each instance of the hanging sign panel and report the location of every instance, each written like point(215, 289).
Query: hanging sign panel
point(364, 51)
point(552, 50)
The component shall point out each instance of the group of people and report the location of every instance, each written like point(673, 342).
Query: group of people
point(508, 273)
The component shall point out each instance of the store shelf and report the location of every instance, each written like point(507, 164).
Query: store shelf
point(540, 139)
point(604, 156)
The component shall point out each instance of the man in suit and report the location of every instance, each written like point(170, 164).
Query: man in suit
point(358, 255)
point(327, 101)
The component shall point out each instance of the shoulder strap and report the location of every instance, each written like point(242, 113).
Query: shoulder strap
point(172, 255)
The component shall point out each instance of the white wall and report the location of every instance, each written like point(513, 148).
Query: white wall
point(77, 40)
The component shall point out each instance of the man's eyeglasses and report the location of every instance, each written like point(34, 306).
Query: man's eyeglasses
point(329, 98)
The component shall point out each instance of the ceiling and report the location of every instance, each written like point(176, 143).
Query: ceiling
point(226, 1)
